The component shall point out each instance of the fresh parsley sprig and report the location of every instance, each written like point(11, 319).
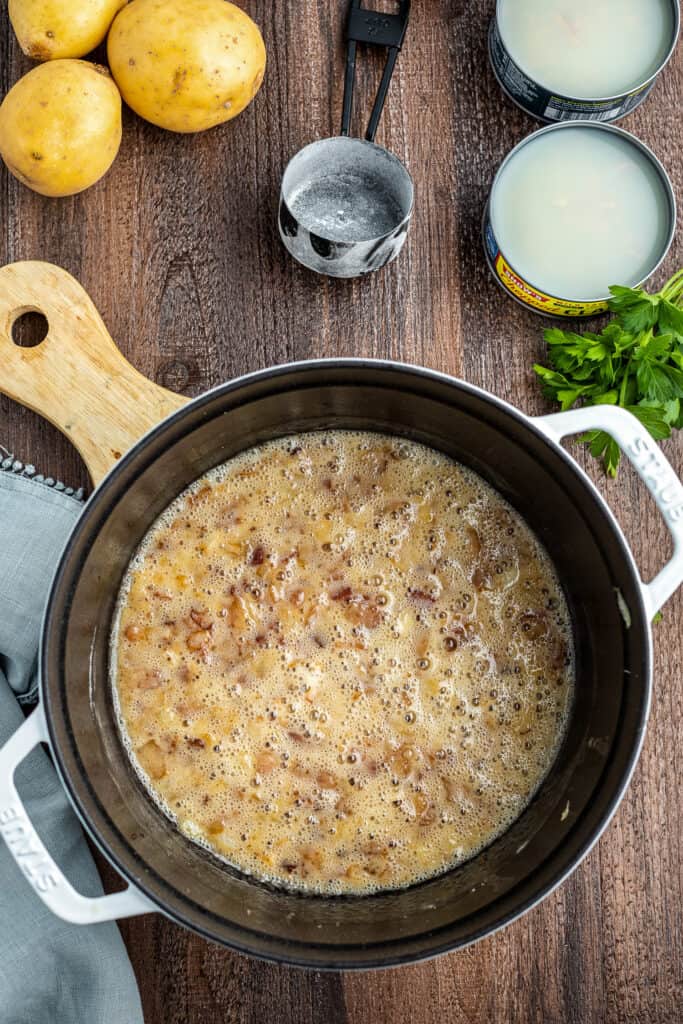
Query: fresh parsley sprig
point(636, 362)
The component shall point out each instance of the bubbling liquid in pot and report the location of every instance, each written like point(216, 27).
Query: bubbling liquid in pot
point(342, 662)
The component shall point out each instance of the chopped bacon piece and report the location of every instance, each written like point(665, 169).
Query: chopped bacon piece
point(258, 556)
point(201, 618)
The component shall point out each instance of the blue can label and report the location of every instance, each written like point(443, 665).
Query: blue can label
point(548, 106)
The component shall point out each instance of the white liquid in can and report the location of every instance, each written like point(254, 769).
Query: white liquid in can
point(578, 209)
point(587, 49)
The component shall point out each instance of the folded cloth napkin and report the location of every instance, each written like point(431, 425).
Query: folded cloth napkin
point(50, 972)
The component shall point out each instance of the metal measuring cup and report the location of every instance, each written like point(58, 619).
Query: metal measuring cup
point(345, 204)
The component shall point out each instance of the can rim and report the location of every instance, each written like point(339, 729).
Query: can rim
point(676, 5)
point(633, 140)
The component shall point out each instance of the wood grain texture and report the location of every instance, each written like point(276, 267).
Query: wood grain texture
point(178, 248)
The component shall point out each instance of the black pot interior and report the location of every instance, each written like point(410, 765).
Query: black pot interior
point(572, 805)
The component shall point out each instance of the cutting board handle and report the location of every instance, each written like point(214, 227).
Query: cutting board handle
point(76, 377)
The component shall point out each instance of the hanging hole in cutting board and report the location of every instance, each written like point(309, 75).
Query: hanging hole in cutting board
point(30, 329)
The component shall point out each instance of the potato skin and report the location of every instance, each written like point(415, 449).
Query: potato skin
point(186, 65)
point(55, 29)
point(60, 127)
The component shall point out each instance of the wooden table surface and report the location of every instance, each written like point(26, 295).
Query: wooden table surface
point(178, 247)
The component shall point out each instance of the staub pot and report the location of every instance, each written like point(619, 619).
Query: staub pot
point(154, 444)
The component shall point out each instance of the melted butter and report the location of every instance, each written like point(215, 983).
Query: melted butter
point(342, 662)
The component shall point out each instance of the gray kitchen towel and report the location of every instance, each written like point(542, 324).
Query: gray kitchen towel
point(50, 972)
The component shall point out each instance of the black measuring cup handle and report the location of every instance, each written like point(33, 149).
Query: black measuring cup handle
point(374, 28)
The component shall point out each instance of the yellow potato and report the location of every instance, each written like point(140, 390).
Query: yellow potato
point(52, 29)
point(60, 127)
point(186, 65)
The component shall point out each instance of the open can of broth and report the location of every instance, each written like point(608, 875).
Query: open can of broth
point(568, 60)
point(574, 209)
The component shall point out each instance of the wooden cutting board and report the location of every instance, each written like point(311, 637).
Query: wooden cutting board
point(75, 377)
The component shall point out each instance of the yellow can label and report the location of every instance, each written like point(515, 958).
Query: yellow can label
point(530, 296)
point(526, 293)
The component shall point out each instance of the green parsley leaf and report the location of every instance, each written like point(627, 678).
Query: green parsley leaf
point(653, 417)
point(635, 362)
point(636, 309)
point(653, 346)
point(675, 375)
point(654, 382)
point(606, 398)
point(671, 319)
point(669, 411)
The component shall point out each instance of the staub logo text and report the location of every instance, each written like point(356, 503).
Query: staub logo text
point(659, 478)
point(18, 833)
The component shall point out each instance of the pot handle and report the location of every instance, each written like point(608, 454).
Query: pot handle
point(653, 468)
point(30, 853)
point(75, 377)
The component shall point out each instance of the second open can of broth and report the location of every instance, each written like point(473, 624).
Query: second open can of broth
point(574, 209)
point(591, 60)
